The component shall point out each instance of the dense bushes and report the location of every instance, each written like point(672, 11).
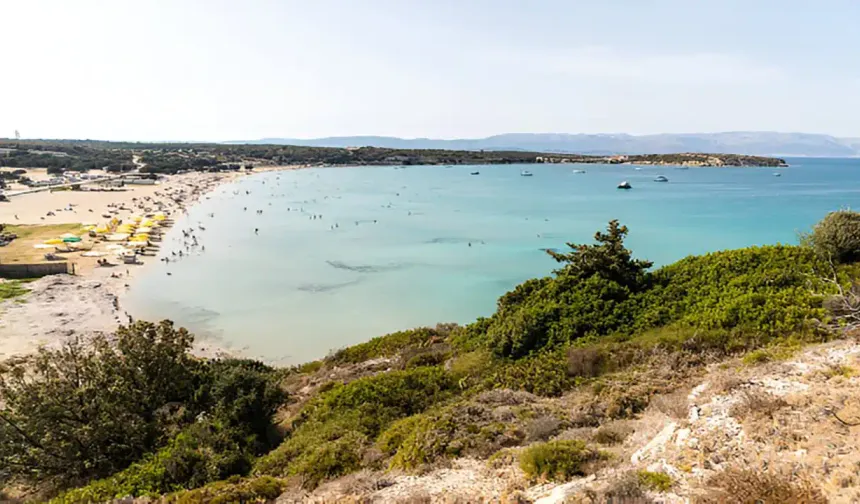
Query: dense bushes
point(90, 409)
point(558, 460)
point(333, 430)
point(390, 344)
point(602, 291)
point(836, 237)
point(254, 490)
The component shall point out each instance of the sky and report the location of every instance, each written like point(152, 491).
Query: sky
point(215, 70)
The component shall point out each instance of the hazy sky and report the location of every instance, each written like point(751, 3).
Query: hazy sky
point(226, 70)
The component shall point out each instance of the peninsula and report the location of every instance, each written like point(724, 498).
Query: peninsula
point(58, 156)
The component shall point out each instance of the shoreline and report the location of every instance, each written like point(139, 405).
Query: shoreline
point(60, 307)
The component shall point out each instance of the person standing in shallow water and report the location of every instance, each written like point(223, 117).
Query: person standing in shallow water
point(256, 230)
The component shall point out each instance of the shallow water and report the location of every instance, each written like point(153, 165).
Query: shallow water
point(401, 247)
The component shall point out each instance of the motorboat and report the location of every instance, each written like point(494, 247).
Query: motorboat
point(525, 173)
point(777, 174)
point(625, 185)
point(660, 178)
point(475, 173)
point(578, 171)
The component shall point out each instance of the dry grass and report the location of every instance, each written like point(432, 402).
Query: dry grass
point(622, 490)
point(610, 435)
point(768, 487)
point(542, 428)
point(674, 404)
point(585, 362)
point(757, 404)
point(21, 249)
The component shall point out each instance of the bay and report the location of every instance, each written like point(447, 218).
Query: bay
point(392, 248)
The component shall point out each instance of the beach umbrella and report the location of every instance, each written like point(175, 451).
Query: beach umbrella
point(117, 237)
point(54, 241)
point(42, 246)
point(68, 235)
point(71, 239)
point(144, 229)
point(114, 246)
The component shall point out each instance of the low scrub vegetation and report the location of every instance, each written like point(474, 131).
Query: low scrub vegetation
point(558, 460)
point(654, 481)
point(744, 485)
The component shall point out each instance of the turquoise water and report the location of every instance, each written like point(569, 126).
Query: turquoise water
point(392, 248)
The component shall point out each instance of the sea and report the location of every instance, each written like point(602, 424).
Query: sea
point(298, 264)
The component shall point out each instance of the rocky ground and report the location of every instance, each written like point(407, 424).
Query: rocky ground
point(792, 425)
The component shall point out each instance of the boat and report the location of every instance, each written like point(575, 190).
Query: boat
point(638, 168)
point(525, 173)
point(475, 173)
point(683, 167)
point(625, 185)
point(777, 174)
point(578, 171)
point(660, 178)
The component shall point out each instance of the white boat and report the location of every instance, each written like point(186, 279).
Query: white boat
point(660, 178)
point(525, 173)
point(578, 171)
point(777, 174)
point(625, 185)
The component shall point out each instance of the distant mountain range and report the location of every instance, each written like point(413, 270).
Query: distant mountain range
point(756, 143)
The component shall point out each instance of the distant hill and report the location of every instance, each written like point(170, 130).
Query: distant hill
point(756, 143)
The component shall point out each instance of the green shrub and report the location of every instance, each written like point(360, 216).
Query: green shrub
point(242, 394)
point(254, 490)
point(426, 358)
point(543, 373)
point(92, 407)
point(391, 344)
point(557, 460)
point(200, 455)
point(393, 437)
point(655, 481)
point(348, 417)
point(330, 459)
point(836, 237)
point(759, 292)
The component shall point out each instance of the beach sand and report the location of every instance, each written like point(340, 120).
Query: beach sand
point(64, 306)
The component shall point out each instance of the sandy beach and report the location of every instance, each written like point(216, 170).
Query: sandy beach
point(64, 306)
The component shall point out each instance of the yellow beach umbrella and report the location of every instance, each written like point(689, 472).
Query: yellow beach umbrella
point(54, 241)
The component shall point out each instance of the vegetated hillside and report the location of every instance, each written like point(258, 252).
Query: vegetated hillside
point(59, 156)
point(547, 389)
